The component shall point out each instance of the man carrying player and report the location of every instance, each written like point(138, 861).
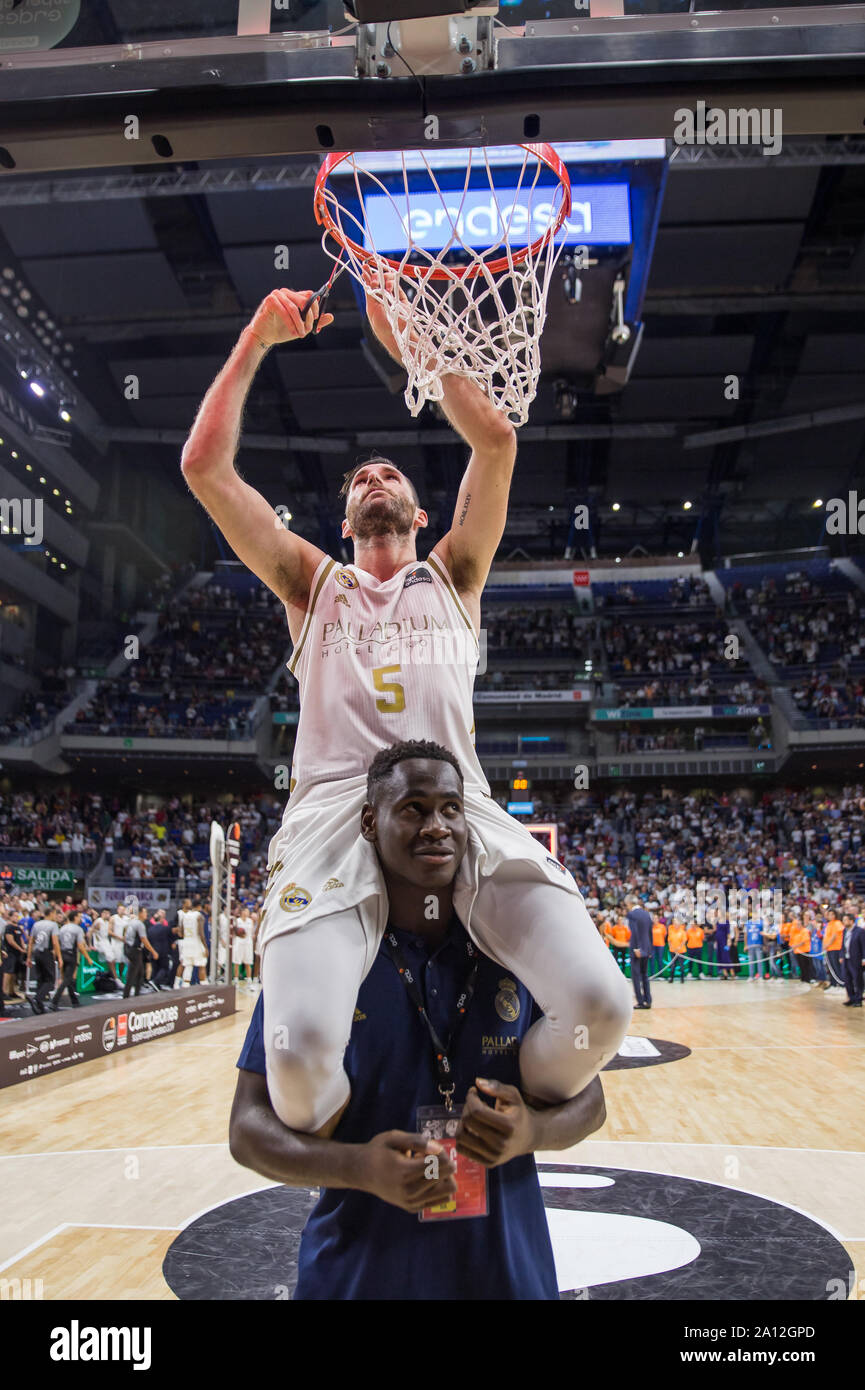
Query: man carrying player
point(368, 640)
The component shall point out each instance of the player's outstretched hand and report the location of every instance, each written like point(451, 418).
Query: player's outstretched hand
point(407, 1170)
point(278, 317)
point(373, 278)
point(494, 1136)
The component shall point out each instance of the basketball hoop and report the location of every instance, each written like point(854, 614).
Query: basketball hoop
point(455, 306)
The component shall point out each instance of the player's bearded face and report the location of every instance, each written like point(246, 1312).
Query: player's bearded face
point(390, 511)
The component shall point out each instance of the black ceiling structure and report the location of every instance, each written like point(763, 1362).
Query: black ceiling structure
point(151, 254)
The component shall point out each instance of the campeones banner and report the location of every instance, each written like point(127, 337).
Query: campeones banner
point(31, 1047)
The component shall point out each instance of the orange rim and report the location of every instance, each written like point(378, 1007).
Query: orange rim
point(545, 153)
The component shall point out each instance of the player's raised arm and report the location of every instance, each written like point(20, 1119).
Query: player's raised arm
point(482, 502)
point(283, 561)
point(481, 511)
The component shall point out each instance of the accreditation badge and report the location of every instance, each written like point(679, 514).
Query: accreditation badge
point(470, 1198)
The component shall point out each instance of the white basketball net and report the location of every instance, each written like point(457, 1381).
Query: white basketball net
point(484, 325)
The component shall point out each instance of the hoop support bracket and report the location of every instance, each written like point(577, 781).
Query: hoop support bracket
point(443, 45)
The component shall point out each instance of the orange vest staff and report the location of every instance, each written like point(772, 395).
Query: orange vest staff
point(677, 937)
point(621, 933)
point(834, 935)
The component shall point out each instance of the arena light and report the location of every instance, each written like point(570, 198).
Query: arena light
point(818, 503)
point(37, 388)
point(617, 506)
point(686, 506)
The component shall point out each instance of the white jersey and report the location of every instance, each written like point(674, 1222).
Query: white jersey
point(381, 662)
point(189, 923)
point(101, 939)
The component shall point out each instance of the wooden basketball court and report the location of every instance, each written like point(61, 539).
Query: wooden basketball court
point(106, 1163)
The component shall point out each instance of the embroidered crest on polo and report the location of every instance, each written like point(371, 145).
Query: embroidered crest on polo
point(507, 1000)
point(346, 579)
point(294, 899)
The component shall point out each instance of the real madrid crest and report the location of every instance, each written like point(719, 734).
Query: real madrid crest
point(346, 579)
point(508, 1001)
point(294, 899)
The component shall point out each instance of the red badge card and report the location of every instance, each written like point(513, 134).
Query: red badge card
point(470, 1198)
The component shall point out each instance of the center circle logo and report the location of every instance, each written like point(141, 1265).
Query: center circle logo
point(109, 1034)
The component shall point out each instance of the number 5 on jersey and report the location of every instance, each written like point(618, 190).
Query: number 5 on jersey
point(394, 703)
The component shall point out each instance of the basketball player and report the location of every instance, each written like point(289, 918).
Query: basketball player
point(363, 653)
point(241, 946)
point(117, 935)
point(102, 940)
point(224, 938)
point(193, 947)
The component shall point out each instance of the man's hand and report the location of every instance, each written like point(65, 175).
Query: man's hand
point(407, 1170)
point(278, 317)
point(495, 1136)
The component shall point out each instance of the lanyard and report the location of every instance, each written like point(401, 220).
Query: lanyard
point(441, 1051)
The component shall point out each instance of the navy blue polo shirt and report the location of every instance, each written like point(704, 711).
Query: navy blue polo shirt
point(159, 936)
point(354, 1245)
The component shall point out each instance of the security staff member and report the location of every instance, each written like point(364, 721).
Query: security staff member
point(42, 951)
point(854, 958)
point(160, 937)
point(134, 944)
point(14, 950)
point(71, 940)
